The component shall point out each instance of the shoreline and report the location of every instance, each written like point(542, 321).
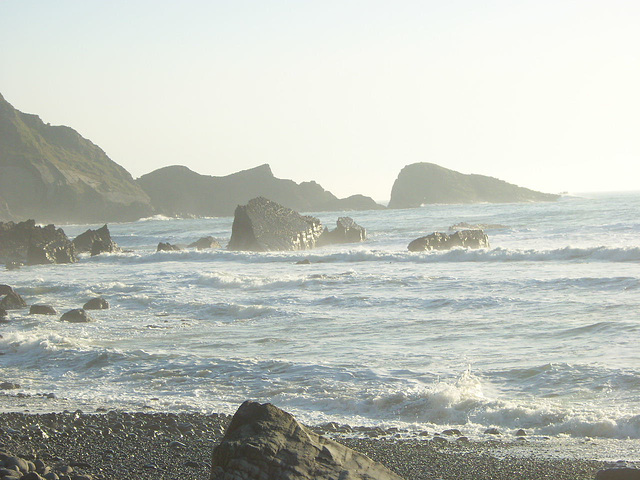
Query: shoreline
point(107, 445)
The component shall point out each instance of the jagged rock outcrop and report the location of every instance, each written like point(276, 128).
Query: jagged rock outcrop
point(95, 242)
point(11, 299)
point(442, 241)
point(178, 191)
point(263, 442)
point(346, 231)
point(54, 174)
point(205, 243)
point(26, 242)
point(263, 225)
point(423, 183)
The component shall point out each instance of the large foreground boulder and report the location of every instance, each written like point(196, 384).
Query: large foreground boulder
point(26, 242)
point(346, 231)
point(262, 225)
point(95, 242)
point(266, 443)
point(442, 241)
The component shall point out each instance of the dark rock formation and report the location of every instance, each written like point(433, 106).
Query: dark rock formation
point(97, 303)
point(424, 183)
point(346, 231)
point(95, 242)
point(178, 191)
point(263, 225)
point(442, 241)
point(167, 247)
point(205, 243)
point(263, 442)
point(26, 242)
point(77, 315)
point(53, 173)
point(42, 310)
point(3, 312)
point(11, 300)
point(619, 471)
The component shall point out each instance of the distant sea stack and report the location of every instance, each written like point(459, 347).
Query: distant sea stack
point(424, 183)
point(53, 174)
point(178, 191)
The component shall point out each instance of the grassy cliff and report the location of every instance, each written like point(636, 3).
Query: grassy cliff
point(53, 174)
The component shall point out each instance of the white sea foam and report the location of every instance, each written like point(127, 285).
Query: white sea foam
point(364, 334)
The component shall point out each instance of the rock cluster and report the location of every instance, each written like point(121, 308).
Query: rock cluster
point(28, 243)
point(346, 231)
point(95, 242)
point(263, 442)
point(443, 241)
point(263, 225)
point(11, 300)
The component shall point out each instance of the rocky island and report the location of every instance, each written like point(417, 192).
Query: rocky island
point(424, 183)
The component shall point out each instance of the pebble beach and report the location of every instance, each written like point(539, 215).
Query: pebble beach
point(149, 446)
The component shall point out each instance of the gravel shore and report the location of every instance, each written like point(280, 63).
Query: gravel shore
point(150, 446)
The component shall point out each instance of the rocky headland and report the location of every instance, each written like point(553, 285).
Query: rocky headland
point(178, 191)
point(53, 174)
point(424, 183)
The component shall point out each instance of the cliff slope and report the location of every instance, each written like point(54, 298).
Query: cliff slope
point(53, 174)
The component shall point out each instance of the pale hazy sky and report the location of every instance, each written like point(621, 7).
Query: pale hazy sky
point(544, 93)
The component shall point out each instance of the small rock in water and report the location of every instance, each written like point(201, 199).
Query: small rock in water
point(167, 247)
point(521, 433)
point(42, 310)
point(452, 432)
point(492, 431)
point(9, 386)
point(306, 261)
point(97, 303)
point(77, 315)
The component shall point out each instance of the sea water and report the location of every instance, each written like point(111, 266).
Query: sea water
point(541, 331)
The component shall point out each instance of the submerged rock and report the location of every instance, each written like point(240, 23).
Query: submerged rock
point(442, 241)
point(95, 242)
point(346, 231)
point(77, 315)
point(42, 310)
point(26, 242)
point(97, 303)
point(205, 243)
point(262, 225)
point(3, 312)
point(263, 443)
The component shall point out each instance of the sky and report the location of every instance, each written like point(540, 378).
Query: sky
point(544, 94)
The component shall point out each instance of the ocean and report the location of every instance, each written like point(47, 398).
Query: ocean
point(539, 332)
